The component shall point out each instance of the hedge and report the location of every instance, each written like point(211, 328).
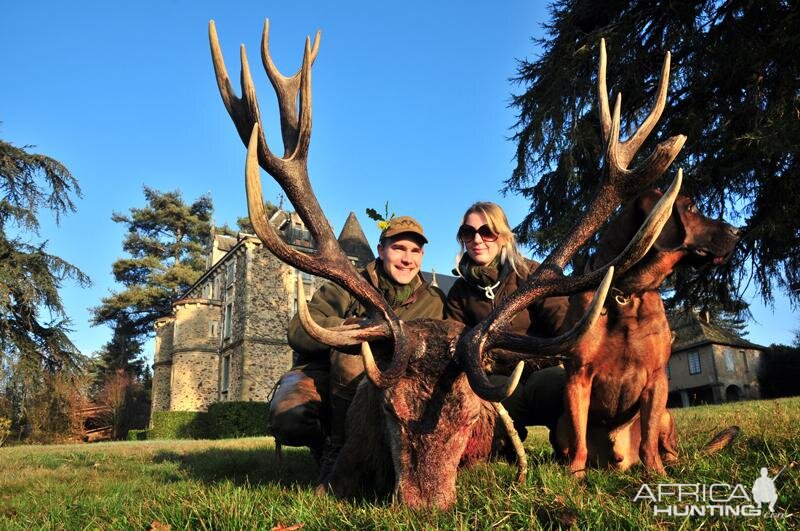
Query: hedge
point(179, 425)
point(223, 420)
point(237, 419)
point(137, 435)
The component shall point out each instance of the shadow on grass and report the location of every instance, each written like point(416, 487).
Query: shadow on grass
point(258, 467)
point(254, 466)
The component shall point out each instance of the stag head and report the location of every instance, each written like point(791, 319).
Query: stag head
point(427, 410)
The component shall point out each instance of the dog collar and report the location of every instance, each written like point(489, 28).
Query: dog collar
point(620, 297)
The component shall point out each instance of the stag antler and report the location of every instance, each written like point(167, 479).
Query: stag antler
point(291, 173)
point(619, 184)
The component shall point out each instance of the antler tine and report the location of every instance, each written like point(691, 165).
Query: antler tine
point(304, 135)
point(249, 97)
point(243, 111)
point(518, 343)
point(620, 154)
point(647, 234)
point(287, 88)
point(269, 65)
point(340, 337)
point(602, 92)
point(233, 104)
point(628, 149)
point(634, 142)
point(400, 358)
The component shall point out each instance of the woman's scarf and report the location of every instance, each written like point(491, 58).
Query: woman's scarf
point(486, 278)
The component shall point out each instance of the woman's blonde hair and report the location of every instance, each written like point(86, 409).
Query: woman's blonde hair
point(498, 222)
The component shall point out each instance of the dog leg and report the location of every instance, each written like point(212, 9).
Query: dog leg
point(668, 440)
point(653, 407)
point(578, 393)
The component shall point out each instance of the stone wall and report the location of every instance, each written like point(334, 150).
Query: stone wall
point(269, 295)
point(738, 368)
point(195, 356)
point(680, 378)
point(162, 364)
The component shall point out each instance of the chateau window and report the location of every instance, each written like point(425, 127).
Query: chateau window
point(230, 273)
point(226, 332)
point(744, 358)
point(729, 363)
point(694, 363)
point(213, 328)
point(226, 373)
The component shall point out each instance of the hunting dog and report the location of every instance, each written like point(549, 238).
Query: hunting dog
point(616, 381)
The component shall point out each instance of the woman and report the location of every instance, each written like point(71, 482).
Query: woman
point(491, 268)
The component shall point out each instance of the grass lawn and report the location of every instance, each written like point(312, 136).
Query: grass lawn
point(237, 484)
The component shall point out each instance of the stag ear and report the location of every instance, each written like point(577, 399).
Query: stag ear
point(673, 235)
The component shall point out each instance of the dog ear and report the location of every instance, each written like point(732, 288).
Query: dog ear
point(617, 234)
point(673, 235)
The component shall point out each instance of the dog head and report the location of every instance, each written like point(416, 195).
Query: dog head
point(699, 239)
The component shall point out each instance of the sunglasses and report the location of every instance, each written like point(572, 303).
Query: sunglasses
point(466, 233)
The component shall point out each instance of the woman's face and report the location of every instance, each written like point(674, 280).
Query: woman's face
point(481, 252)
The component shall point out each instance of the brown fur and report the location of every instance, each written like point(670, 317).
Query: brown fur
point(616, 378)
point(618, 448)
point(413, 436)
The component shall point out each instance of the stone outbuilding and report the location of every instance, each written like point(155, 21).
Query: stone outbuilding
point(709, 364)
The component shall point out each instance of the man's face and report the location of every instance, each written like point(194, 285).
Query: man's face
point(402, 259)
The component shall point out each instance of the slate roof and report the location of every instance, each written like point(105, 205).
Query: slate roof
point(224, 242)
point(691, 331)
point(443, 282)
point(353, 241)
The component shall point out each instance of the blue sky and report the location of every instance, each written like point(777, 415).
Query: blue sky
point(410, 106)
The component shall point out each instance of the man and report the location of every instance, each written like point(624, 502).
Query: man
point(311, 402)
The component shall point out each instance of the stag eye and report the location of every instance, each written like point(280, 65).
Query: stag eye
point(692, 208)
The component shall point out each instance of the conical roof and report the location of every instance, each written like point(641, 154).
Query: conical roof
point(354, 243)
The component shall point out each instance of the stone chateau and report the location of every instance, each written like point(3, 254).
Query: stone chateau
point(226, 339)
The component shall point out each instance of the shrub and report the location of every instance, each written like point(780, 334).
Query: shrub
point(137, 435)
point(179, 425)
point(237, 419)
